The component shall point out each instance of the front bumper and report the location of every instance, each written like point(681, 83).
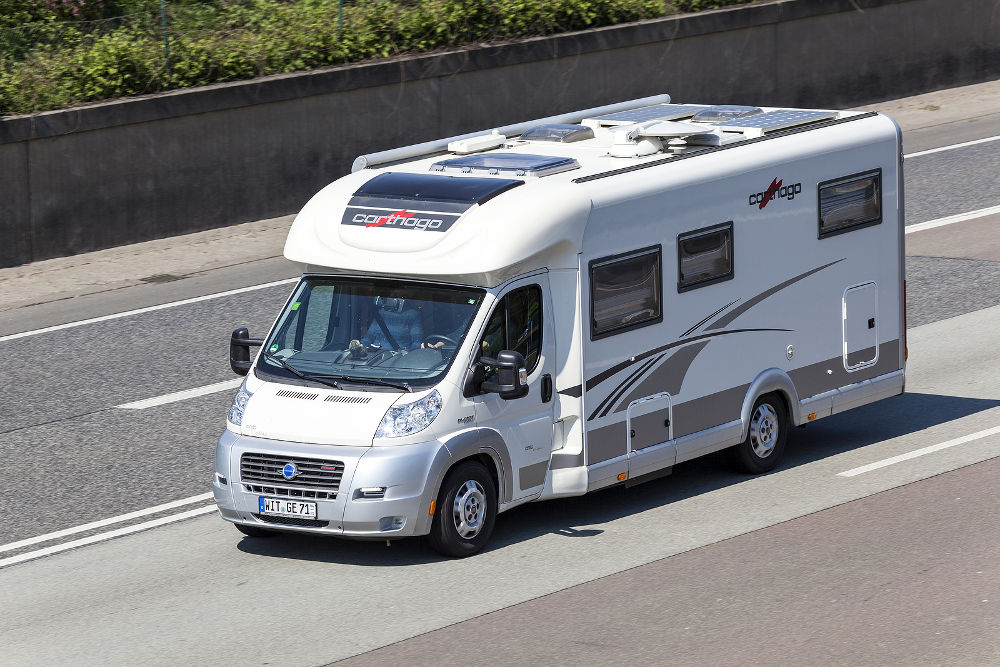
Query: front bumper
point(410, 473)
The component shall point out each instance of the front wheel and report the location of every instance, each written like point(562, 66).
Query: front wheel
point(765, 441)
point(466, 511)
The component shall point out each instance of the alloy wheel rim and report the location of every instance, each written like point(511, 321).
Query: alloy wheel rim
point(469, 510)
point(764, 431)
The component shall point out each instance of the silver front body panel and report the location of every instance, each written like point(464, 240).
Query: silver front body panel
point(409, 472)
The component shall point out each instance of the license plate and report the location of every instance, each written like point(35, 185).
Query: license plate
point(283, 507)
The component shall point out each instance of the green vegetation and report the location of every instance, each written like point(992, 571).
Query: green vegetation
point(55, 53)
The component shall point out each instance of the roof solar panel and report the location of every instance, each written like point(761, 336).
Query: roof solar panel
point(657, 112)
point(773, 121)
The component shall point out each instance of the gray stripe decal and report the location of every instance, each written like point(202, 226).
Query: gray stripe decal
point(736, 312)
point(574, 392)
point(532, 475)
point(668, 377)
point(830, 374)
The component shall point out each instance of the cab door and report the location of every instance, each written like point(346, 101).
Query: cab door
point(521, 321)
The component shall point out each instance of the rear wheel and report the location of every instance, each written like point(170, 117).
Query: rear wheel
point(254, 531)
point(466, 511)
point(765, 442)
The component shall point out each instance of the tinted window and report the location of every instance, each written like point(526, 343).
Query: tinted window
point(516, 324)
point(625, 292)
point(704, 256)
point(848, 203)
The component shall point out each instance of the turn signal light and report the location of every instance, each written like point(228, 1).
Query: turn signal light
point(812, 416)
point(622, 476)
point(433, 507)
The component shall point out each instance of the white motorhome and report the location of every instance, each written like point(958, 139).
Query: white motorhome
point(551, 308)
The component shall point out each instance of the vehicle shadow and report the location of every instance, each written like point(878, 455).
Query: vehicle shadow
point(580, 517)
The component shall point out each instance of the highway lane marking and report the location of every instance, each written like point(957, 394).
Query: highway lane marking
point(105, 522)
point(952, 147)
point(100, 537)
point(853, 472)
point(181, 395)
point(952, 219)
point(148, 309)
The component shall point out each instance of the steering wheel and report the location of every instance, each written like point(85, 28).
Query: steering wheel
point(438, 337)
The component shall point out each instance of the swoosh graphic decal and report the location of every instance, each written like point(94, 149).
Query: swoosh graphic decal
point(614, 370)
point(668, 376)
point(736, 312)
point(621, 389)
point(691, 330)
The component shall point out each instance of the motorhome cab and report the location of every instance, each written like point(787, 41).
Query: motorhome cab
point(555, 307)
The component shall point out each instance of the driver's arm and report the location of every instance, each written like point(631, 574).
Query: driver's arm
point(416, 328)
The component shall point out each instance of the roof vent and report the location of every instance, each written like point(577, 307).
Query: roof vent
point(507, 164)
point(724, 112)
point(559, 132)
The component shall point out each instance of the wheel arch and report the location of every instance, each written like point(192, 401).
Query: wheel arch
point(770, 381)
point(484, 445)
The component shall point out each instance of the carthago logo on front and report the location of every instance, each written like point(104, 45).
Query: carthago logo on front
point(777, 190)
point(402, 218)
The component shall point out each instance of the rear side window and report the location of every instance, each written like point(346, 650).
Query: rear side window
point(849, 203)
point(625, 292)
point(704, 256)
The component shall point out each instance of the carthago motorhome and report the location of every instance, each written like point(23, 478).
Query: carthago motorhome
point(555, 307)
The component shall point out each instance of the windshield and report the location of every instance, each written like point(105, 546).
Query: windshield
point(370, 332)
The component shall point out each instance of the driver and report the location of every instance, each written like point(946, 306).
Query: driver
point(402, 321)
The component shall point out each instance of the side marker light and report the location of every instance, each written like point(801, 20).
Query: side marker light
point(812, 416)
point(433, 507)
point(622, 476)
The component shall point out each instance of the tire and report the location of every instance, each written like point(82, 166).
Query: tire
point(254, 531)
point(766, 436)
point(466, 511)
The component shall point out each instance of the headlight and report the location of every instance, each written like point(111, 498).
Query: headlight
point(239, 405)
point(410, 418)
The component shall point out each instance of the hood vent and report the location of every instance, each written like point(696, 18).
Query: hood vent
point(301, 395)
point(347, 399)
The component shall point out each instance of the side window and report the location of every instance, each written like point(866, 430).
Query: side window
point(704, 256)
point(625, 292)
point(849, 203)
point(516, 324)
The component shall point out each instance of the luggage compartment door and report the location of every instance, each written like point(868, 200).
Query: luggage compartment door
point(860, 315)
point(650, 435)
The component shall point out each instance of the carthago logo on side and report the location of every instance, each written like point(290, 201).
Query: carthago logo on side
point(776, 190)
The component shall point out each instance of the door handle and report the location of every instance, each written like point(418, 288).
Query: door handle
point(546, 388)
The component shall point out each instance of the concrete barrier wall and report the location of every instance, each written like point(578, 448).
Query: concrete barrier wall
point(121, 172)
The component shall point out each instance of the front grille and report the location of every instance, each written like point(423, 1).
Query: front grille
point(292, 521)
point(290, 492)
point(314, 474)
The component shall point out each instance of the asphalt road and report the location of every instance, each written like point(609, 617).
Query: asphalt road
point(685, 569)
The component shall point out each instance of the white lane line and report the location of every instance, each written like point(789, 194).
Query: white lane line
point(951, 147)
point(149, 309)
point(100, 537)
point(181, 395)
point(853, 472)
point(105, 522)
point(952, 219)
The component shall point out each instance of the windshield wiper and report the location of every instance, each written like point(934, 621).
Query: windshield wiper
point(379, 381)
point(328, 380)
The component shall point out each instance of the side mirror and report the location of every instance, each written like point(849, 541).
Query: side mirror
point(239, 350)
point(512, 377)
